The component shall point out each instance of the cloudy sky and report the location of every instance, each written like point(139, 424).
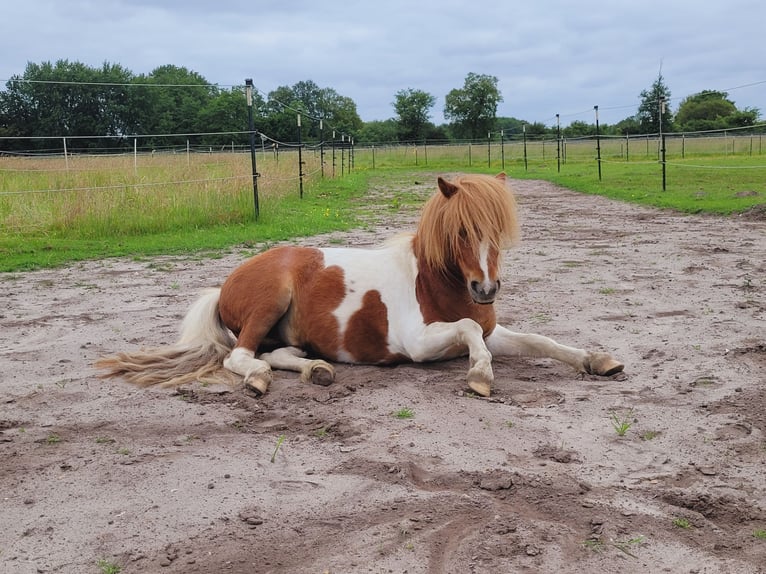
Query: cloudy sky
point(550, 56)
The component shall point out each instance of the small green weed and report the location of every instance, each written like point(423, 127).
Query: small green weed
point(404, 413)
point(53, 438)
point(108, 567)
point(123, 451)
point(280, 440)
point(760, 534)
point(621, 425)
point(606, 291)
point(649, 435)
point(104, 440)
point(594, 544)
point(626, 545)
point(682, 523)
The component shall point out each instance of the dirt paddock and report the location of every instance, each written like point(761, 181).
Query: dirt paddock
point(658, 469)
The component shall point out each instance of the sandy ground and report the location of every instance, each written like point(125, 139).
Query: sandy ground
point(96, 474)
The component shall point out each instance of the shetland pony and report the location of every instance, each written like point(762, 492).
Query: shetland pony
point(423, 296)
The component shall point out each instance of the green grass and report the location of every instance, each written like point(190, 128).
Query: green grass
point(108, 567)
point(404, 413)
point(682, 523)
point(326, 207)
point(699, 185)
point(49, 217)
point(621, 424)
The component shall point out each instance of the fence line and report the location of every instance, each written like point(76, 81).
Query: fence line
point(228, 168)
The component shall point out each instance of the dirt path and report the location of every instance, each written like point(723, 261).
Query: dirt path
point(535, 479)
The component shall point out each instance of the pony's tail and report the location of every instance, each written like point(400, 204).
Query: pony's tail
point(197, 356)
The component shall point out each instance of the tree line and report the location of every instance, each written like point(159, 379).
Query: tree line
point(70, 99)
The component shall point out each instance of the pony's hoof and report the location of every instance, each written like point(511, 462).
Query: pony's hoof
point(603, 364)
point(319, 373)
point(258, 382)
point(481, 388)
point(480, 378)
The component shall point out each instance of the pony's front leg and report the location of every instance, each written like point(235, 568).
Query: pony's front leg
point(447, 340)
point(257, 373)
point(502, 342)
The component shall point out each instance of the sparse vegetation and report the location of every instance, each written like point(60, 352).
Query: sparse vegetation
point(404, 413)
point(280, 440)
point(682, 523)
point(649, 435)
point(108, 567)
point(594, 544)
point(621, 424)
point(760, 534)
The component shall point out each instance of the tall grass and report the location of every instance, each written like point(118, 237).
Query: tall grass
point(56, 209)
point(94, 197)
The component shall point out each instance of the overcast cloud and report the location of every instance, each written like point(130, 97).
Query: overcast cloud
point(550, 57)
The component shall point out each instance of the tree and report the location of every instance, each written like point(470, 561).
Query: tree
point(376, 132)
point(711, 110)
point(473, 108)
point(412, 110)
point(173, 103)
point(649, 116)
point(313, 103)
point(68, 99)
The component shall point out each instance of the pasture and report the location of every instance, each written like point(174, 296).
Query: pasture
point(402, 469)
point(57, 209)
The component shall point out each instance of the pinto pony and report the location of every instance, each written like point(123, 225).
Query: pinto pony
point(423, 296)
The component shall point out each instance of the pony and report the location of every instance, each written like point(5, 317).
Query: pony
point(419, 297)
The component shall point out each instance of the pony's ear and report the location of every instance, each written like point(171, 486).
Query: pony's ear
point(501, 176)
point(448, 189)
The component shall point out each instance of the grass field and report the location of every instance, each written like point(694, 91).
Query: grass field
point(55, 210)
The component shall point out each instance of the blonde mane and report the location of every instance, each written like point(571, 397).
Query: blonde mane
point(482, 208)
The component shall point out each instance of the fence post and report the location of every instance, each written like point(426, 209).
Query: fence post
point(662, 141)
point(333, 154)
point(135, 157)
point(558, 143)
point(66, 155)
point(250, 127)
point(321, 147)
point(502, 150)
point(342, 154)
point(300, 158)
point(598, 144)
point(524, 135)
point(489, 149)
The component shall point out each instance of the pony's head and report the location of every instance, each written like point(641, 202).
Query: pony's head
point(463, 229)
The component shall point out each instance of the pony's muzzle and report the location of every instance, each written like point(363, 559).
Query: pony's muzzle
point(484, 292)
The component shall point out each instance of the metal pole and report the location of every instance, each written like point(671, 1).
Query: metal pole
point(558, 143)
point(524, 135)
point(333, 153)
point(598, 145)
point(300, 158)
point(251, 129)
point(489, 149)
point(321, 146)
point(502, 150)
point(662, 141)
